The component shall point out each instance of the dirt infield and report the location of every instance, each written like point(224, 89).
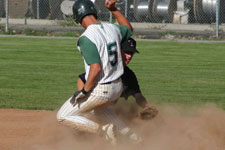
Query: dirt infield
point(175, 128)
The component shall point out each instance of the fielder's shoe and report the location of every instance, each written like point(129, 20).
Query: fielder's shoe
point(136, 139)
point(109, 133)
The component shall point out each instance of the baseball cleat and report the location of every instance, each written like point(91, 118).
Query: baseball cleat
point(136, 139)
point(109, 133)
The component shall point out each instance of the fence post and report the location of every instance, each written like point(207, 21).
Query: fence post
point(38, 11)
point(217, 17)
point(110, 17)
point(126, 6)
point(7, 15)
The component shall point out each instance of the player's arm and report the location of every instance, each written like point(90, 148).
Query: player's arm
point(140, 99)
point(90, 53)
point(92, 76)
point(81, 81)
point(121, 19)
point(147, 112)
point(91, 56)
point(130, 80)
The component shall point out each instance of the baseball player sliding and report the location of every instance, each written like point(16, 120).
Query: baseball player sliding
point(100, 48)
point(130, 82)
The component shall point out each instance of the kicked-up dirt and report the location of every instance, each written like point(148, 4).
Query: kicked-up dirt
point(175, 128)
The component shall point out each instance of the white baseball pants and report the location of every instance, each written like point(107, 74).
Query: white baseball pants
point(101, 96)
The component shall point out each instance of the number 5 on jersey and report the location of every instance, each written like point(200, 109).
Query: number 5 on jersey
point(112, 52)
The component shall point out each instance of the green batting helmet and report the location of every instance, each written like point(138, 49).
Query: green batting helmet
point(82, 8)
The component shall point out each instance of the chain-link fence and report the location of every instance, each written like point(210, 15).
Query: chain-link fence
point(142, 11)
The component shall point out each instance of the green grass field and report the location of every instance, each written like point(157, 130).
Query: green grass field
point(38, 73)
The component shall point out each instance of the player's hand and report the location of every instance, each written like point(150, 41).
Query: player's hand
point(148, 112)
point(110, 4)
point(78, 97)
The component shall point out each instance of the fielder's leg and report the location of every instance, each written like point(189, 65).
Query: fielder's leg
point(107, 115)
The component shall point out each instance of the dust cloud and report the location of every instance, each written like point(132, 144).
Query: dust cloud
point(175, 128)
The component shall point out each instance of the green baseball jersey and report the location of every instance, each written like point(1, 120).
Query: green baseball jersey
point(100, 43)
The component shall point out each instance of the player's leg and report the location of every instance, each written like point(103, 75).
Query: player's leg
point(74, 116)
point(68, 115)
point(108, 116)
point(101, 96)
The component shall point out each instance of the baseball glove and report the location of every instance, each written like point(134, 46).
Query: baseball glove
point(148, 112)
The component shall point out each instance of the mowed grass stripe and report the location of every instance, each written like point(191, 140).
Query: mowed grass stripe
point(42, 73)
point(181, 72)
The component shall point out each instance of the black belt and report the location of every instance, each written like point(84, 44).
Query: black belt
point(107, 83)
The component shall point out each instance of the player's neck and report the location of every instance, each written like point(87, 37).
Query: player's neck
point(88, 20)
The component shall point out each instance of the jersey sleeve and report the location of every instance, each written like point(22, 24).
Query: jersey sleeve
point(125, 32)
point(129, 80)
point(89, 50)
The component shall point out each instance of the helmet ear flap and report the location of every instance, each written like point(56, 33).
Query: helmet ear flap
point(82, 8)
